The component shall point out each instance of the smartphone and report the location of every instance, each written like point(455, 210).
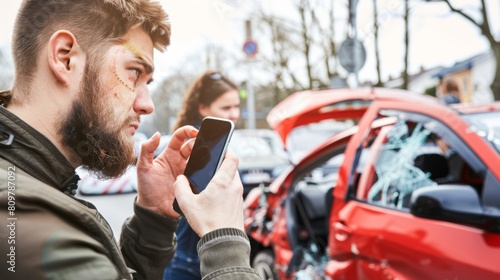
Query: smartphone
point(208, 152)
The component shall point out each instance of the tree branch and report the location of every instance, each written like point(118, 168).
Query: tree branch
point(484, 26)
point(455, 10)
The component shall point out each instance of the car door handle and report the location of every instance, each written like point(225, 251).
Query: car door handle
point(342, 232)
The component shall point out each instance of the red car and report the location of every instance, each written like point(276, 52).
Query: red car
point(410, 191)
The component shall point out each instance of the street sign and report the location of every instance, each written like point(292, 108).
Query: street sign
point(250, 48)
point(352, 55)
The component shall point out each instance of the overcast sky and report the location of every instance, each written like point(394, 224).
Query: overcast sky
point(437, 38)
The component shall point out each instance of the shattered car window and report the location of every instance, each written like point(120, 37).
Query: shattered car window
point(397, 174)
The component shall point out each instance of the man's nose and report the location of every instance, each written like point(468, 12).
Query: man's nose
point(143, 104)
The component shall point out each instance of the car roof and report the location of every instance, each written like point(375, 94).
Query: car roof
point(305, 107)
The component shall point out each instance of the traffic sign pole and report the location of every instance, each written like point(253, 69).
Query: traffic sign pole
point(250, 101)
point(250, 49)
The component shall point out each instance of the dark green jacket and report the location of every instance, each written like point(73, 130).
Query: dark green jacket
point(47, 233)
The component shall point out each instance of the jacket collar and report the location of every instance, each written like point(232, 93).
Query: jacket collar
point(32, 152)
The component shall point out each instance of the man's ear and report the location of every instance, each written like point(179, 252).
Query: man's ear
point(63, 55)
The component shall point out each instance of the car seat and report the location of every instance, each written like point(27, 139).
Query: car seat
point(313, 210)
point(434, 164)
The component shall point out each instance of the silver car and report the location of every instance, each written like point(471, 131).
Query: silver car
point(261, 154)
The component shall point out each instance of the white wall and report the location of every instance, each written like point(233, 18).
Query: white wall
point(483, 72)
point(422, 82)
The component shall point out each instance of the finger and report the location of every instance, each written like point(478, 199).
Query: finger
point(236, 179)
point(187, 147)
point(227, 171)
point(181, 135)
point(148, 148)
point(183, 192)
point(234, 161)
point(230, 162)
point(237, 182)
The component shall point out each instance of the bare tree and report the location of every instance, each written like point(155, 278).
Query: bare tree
point(304, 9)
point(483, 24)
point(327, 38)
point(406, 18)
point(303, 49)
point(318, 37)
point(375, 41)
point(283, 49)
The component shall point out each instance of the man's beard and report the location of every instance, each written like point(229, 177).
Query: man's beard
point(104, 151)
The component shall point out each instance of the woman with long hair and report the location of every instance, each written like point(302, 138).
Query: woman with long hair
point(211, 94)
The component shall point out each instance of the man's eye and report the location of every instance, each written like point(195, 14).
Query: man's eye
point(136, 72)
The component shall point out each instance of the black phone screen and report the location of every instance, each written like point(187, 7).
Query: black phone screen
point(208, 152)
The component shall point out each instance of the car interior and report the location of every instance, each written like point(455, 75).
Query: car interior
point(308, 206)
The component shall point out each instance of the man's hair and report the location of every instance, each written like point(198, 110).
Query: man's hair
point(450, 86)
point(93, 22)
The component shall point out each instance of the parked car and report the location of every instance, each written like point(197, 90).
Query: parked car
point(415, 195)
point(261, 156)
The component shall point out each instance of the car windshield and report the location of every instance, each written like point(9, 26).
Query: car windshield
point(486, 125)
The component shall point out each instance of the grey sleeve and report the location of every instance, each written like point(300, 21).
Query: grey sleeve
point(225, 254)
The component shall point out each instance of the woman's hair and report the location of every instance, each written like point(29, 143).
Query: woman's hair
point(94, 23)
point(204, 90)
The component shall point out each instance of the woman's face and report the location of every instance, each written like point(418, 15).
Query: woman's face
point(227, 106)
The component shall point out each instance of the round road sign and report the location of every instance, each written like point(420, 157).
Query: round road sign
point(250, 48)
point(350, 49)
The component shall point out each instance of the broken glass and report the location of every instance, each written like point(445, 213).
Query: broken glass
point(397, 175)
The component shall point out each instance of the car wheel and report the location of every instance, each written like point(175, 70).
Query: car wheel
point(263, 263)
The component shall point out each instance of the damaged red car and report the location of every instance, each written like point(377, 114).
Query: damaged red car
point(409, 190)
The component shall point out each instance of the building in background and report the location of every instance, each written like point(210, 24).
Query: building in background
point(474, 76)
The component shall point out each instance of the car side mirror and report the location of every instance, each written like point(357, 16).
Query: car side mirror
point(454, 203)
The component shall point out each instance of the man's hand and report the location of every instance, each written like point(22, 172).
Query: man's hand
point(220, 205)
point(156, 176)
